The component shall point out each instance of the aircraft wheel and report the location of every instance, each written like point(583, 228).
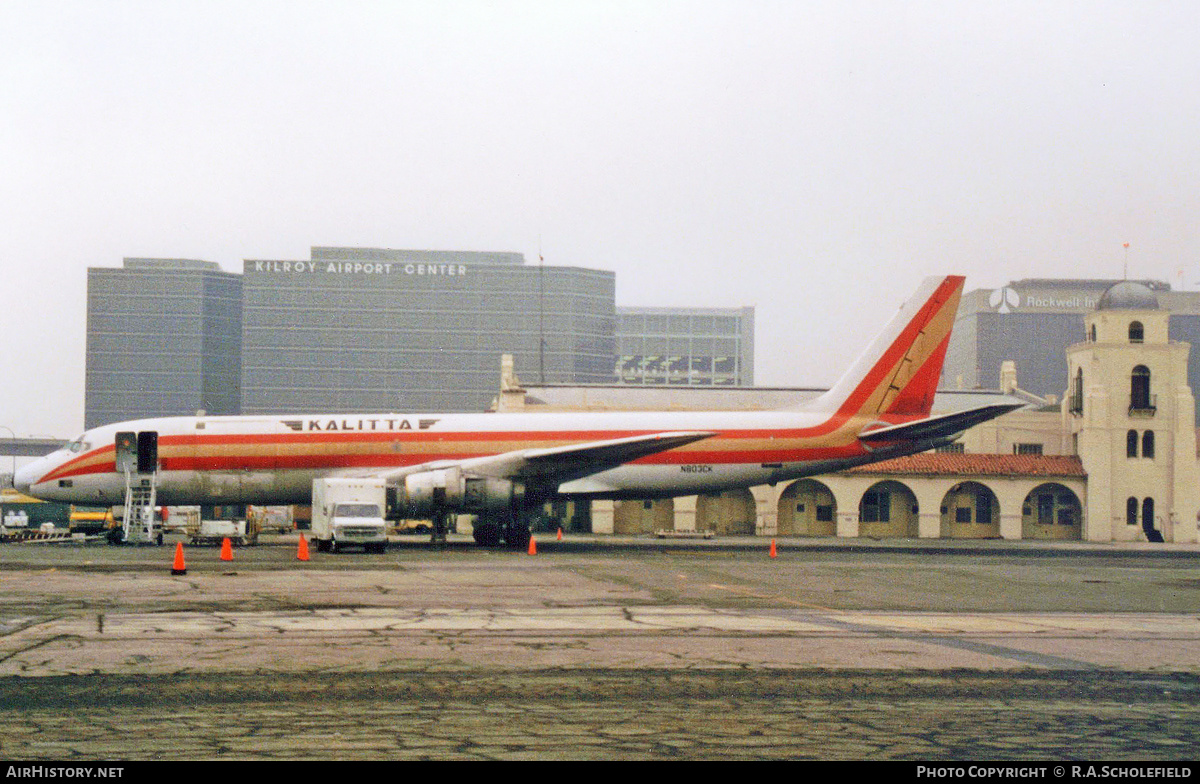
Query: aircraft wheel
point(487, 534)
point(517, 536)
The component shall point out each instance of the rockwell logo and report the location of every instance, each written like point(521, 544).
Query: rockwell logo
point(1004, 298)
point(380, 424)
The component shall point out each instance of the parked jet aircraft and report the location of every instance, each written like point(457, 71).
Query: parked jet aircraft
point(503, 466)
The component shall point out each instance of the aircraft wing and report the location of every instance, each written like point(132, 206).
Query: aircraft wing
point(935, 428)
point(559, 464)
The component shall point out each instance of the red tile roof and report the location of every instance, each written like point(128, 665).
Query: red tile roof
point(933, 463)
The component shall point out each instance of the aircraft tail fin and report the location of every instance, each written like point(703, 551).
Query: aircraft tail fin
point(896, 377)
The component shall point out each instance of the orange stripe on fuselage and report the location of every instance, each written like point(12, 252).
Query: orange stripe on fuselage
point(103, 460)
point(283, 451)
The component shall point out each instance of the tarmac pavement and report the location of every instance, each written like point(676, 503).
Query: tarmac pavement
point(599, 648)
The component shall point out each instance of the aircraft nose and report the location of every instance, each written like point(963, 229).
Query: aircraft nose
point(25, 475)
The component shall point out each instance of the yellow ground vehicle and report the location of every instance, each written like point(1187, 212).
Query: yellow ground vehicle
point(90, 519)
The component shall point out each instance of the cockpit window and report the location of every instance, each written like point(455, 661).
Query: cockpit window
point(78, 445)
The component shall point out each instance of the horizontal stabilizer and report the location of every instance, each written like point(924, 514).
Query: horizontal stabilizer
point(936, 428)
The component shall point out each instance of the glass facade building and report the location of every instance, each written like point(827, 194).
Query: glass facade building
point(163, 339)
point(362, 330)
point(1032, 321)
point(374, 330)
point(685, 346)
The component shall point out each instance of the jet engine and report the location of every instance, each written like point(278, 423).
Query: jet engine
point(430, 493)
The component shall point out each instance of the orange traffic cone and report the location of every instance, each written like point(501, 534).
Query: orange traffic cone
point(773, 548)
point(302, 551)
point(532, 546)
point(560, 533)
point(179, 567)
point(226, 549)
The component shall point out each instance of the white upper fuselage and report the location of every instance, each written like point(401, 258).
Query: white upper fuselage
point(274, 459)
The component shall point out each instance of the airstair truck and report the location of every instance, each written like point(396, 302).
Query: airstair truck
point(349, 512)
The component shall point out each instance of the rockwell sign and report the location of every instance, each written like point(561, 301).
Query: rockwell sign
point(357, 268)
point(1062, 302)
point(1007, 299)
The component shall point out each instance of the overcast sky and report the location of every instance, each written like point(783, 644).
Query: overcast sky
point(813, 159)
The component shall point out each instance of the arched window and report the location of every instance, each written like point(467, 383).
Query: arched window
point(1139, 389)
point(1152, 533)
point(1148, 444)
point(1131, 441)
point(1131, 511)
point(1136, 332)
point(1077, 393)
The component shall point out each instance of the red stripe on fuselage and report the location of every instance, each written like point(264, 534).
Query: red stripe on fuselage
point(74, 467)
point(413, 454)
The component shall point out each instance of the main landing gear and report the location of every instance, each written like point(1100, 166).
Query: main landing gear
point(512, 529)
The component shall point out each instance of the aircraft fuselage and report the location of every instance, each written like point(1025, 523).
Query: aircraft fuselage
point(274, 460)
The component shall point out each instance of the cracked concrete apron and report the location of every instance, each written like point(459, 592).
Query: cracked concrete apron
point(276, 633)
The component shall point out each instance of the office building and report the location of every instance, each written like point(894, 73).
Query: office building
point(1031, 322)
point(685, 346)
point(163, 339)
point(375, 330)
point(368, 329)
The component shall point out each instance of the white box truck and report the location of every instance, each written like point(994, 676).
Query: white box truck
point(349, 512)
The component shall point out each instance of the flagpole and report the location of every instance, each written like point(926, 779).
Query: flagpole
point(541, 316)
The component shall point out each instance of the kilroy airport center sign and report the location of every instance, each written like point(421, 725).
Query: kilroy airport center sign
point(422, 268)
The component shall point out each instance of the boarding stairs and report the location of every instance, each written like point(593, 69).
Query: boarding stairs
point(140, 525)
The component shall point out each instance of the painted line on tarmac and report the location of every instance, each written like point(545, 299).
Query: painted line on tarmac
point(972, 646)
point(16, 623)
point(771, 596)
point(999, 651)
